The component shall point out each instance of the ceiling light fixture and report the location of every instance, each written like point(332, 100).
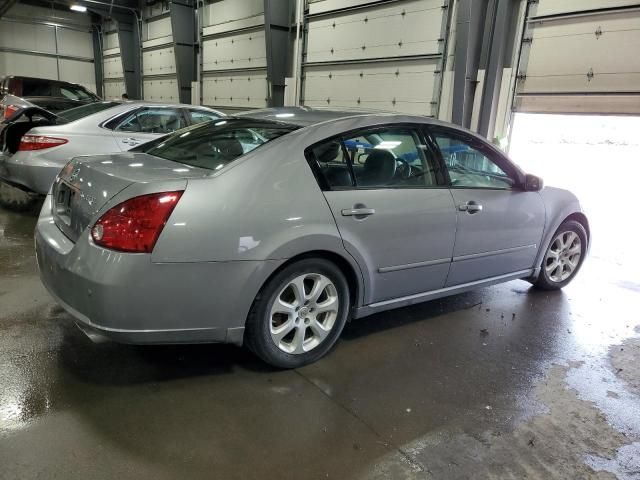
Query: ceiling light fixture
point(78, 8)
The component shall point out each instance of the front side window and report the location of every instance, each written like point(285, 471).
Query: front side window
point(153, 120)
point(469, 164)
point(213, 145)
point(200, 116)
point(393, 157)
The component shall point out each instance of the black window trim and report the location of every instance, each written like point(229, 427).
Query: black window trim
point(490, 151)
point(440, 172)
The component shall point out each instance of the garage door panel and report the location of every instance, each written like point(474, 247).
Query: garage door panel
point(396, 29)
point(161, 90)
point(80, 72)
point(403, 86)
point(158, 62)
point(235, 51)
point(555, 7)
point(112, 67)
point(114, 88)
point(583, 84)
point(246, 90)
point(549, 55)
point(75, 43)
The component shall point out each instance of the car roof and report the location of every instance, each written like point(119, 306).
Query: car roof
point(305, 116)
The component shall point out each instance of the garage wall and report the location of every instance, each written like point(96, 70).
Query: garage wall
point(159, 79)
point(581, 57)
point(382, 55)
point(234, 60)
point(47, 43)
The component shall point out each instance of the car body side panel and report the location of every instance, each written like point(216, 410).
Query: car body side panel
point(503, 237)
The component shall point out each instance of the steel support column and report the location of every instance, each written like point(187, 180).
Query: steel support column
point(97, 64)
point(277, 19)
point(468, 44)
point(185, 48)
point(498, 28)
point(130, 48)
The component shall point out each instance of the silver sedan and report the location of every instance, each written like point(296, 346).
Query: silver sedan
point(37, 144)
point(274, 228)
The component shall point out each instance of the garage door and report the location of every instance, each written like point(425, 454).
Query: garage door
point(379, 55)
point(580, 56)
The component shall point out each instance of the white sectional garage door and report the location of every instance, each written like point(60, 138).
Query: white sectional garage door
point(234, 59)
point(377, 55)
point(159, 82)
point(581, 56)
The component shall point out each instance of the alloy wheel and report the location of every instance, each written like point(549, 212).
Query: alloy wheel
point(304, 313)
point(563, 256)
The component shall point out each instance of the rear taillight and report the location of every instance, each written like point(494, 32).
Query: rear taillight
point(39, 142)
point(135, 225)
point(9, 110)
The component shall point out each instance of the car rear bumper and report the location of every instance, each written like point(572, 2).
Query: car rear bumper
point(129, 299)
point(28, 172)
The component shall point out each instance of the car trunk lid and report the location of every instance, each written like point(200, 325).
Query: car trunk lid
point(86, 184)
point(20, 121)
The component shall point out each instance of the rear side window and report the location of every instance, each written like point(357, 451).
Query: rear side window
point(201, 116)
point(36, 88)
point(84, 111)
point(213, 145)
point(153, 120)
point(75, 93)
point(391, 157)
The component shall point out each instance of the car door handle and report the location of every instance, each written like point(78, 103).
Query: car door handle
point(470, 207)
point(131, 141)
point(357, 212)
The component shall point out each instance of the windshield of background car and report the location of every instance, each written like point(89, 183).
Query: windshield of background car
point(215, 144)
point(85, 110)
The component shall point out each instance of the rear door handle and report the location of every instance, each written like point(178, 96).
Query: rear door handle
point(131, 141)
point(470, 207)
point(357, 212)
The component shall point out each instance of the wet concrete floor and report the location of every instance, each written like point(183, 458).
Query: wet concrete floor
point(503, 382)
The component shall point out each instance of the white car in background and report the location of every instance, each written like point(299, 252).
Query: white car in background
point(35, 144)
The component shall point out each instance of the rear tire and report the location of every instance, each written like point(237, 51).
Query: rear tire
point(564, 256)
point(15, 199)
point(299, 314)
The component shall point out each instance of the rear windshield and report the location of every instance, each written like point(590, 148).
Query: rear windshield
point(214, 144)
point(85, 110)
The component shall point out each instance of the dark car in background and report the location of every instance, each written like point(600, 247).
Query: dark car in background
point(52, 95)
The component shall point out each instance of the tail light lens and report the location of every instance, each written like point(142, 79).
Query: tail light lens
point(39, 142)
point(9, 110)
point(135, 225)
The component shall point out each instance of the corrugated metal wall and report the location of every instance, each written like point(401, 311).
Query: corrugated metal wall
point(47, 43)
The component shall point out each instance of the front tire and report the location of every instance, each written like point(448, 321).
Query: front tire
point(15, 199)
point(563, 257)
point(299, 314)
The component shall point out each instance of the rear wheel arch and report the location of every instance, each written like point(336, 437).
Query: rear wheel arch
point(349, 270)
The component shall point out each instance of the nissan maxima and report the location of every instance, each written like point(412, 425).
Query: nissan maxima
point(35, 144)
point(273, 228)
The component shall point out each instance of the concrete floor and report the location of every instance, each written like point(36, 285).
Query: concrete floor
point(504, 382)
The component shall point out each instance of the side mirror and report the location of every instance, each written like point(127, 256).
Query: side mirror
point(532, 183)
